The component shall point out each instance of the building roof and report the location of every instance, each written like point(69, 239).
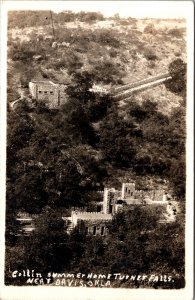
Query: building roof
point(93, 216)
point(132, 201)
point(43, 82)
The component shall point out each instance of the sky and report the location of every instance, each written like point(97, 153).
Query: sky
point(136, 9)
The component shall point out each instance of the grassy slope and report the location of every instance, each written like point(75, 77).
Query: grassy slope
point(136, 43)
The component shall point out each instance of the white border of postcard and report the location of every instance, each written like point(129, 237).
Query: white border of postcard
point(166, 9)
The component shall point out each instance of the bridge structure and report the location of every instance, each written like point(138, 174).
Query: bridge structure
point(124, 92)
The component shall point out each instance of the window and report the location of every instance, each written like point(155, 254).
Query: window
point(94, 230)
point(51, 93)
point(102, 230)
point(99, 208)
point(40, 92)
point(110, 208)
point(131, 193)
point(45, 92)
point(126, 189)
point(119, 202)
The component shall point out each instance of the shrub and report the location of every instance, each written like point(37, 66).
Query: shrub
point(150, 28)
point(176, 32)
point(89, 16)
point(150, 54)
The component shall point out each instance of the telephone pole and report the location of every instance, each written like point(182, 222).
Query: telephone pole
point(52, 24)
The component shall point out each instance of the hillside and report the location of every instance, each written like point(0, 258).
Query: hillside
point(88, 49)
point(115, 51)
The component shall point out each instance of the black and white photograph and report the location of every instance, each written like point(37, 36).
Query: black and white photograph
point(97, 111)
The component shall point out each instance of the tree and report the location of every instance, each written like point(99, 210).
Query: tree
point(125, 135)
point(163, 140)
point(150, 28)
point(144, 111)
point(84, 247)
point(177, 140)
point(48, 248)
point(129, 235)
point(78, 124)
point(138, 244)
point(98, 106)
point(167, 252)
point(11, 225)
point(89, 17)
point(29, 191)
point(177, 70)
point(19, 132)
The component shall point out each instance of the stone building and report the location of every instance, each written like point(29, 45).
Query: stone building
point(115, 200)
point(26, 223)
point(97, 223)
point(93, 223)
point(52, 94)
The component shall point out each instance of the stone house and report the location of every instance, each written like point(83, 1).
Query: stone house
point(114, 200)
point(96, 223)
point(52, 94)
point(93, 223)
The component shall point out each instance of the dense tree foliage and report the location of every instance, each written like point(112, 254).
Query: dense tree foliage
point(177, 70)
point(125, 135)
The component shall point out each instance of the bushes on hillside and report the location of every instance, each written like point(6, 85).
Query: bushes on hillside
point(22, 19)
point(177, 70)
point(176, 33)
point(150, 54)
point(150, 28)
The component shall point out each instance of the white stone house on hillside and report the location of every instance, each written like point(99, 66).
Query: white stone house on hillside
point(52, 94)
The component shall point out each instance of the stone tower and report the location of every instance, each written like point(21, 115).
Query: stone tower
point(108, 202)
point(128, 191)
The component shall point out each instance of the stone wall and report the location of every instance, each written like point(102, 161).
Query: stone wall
point(94, 227)
point(128, 190)
point(53, 95)
point(155, 195)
